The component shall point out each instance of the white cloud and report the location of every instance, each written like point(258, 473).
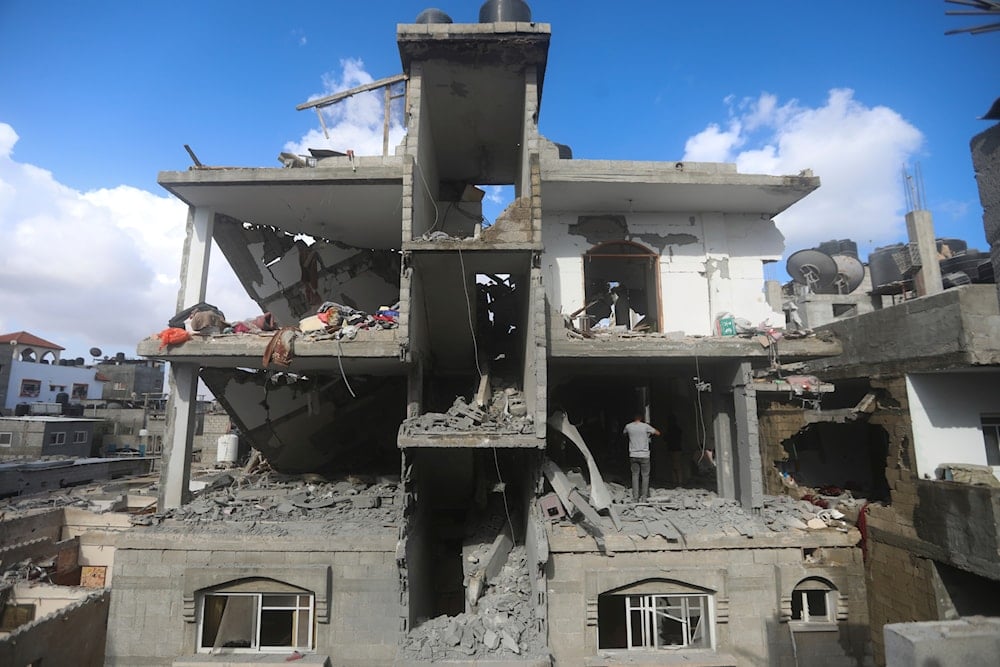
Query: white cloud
point(857, 151)
point(355, 123)
point(93, 269)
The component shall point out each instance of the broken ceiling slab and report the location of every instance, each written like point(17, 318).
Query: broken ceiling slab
point(372, 352)
point(353, 201)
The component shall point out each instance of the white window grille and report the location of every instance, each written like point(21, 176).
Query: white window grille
point(814, 601)
point(79, 437)
point(57, 438)
point(659, 621)
point(6, 439)
point(255, 622)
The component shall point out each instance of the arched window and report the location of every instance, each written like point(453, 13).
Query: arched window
point(656, 614)
point(621, 285)
point(814, 600)
point(28, 354)
point(255, 615)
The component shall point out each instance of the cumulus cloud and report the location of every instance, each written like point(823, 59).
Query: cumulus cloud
point(858, 152)
point(355, 123)
point(91, 269)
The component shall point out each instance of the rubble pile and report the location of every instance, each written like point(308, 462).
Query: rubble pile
point(684, 513)
point(506, 412)
point(272, 504)
point(504, 625)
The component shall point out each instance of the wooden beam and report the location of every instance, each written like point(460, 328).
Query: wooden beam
point(344, 94)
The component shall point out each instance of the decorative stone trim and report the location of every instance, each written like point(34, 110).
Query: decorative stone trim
point(314, 578)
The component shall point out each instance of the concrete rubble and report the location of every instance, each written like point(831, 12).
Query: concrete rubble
point(274, 504)
point(505, 412)
point(504, 625)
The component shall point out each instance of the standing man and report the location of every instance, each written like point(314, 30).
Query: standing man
point(638, 433)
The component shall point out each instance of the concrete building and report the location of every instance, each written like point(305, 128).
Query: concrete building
point(912, 428)
point(38, 436)
point(472, 352)
point(34, 373)
point(132, 380)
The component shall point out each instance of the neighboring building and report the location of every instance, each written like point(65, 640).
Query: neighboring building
point(913, 427)
point(35, 374)
point(600, 292)
point(37, 436)
point(134, 380)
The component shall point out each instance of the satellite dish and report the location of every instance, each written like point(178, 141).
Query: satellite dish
point(812, 268)
point(850, 273)
point(95, 352)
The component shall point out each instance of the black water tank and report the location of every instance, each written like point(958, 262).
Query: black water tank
point(74, 410)
point(496, 11)
point(21, 409)
point(62, 398)
point(884, 270)
point(967, 263)
point(432, 15)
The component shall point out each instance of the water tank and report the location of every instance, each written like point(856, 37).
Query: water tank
point(62, 398)
point(967, 263)
point(21, 409)
point(227, 448)
point(496, 11)
point(887, 278)
point(432, 15)
point(839, 247)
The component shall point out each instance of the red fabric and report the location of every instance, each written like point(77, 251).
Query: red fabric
point(173, 336)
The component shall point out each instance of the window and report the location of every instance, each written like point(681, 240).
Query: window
point(991, 438)
point(814, 601)
point(31, 388)
point(57, 387)
point(655, 621)
point(6, 439)
point(79, 391)
point(247, 622)
point(57, 438)
point(13, 616)
point(79, 437)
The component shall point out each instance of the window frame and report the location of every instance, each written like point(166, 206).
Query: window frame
point(260, 607)
point(28, 394)
point(54, 439)
point(649, 609)
point(989, 424)
point(79, 437)
point(808, 619)
point(9, 437)
point(79, 391)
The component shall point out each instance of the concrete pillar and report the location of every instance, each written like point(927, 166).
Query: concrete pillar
point(178, 441)
point(749, 476)
point(722, 428)
point(920, 229)
point(986, 162)
point(175, 472)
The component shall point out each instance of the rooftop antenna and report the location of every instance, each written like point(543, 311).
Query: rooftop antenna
point(983, 8)
point(913, 189)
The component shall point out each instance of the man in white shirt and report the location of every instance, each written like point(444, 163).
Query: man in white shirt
point(638, 433)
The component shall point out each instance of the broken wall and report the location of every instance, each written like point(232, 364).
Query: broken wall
point(72, 635)
point(708, 263)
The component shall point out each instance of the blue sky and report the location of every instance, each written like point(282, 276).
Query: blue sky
point(98, 97)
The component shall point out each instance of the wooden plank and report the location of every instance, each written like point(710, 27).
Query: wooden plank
point(344, 94)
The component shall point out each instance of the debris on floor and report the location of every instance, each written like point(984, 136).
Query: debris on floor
point(505, 412)
point(504, 626)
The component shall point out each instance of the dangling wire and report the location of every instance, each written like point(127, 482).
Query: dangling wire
point(468, 305)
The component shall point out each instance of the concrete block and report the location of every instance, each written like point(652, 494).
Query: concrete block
point(968, 642)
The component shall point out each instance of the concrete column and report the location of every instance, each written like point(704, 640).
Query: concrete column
point(722, 427)
point(529, 134)
point(920, 229)
point(749, 476)
point(183, 378)
point(175, 472)
point(985, 148)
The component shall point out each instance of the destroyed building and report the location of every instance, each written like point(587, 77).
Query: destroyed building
point(439, 402)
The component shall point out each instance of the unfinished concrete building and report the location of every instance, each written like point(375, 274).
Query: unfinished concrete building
point(446, 454)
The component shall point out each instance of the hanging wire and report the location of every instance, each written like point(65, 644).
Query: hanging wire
point(468, 304)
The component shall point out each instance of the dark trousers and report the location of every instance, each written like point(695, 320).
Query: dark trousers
point(640, 468)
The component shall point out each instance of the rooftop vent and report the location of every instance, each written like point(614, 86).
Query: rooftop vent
point(433, 15)
point(497, 11)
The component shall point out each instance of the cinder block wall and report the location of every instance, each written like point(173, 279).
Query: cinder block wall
point(752, 600)
point(71, 636)
point(152, 624)
point(900, 589)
